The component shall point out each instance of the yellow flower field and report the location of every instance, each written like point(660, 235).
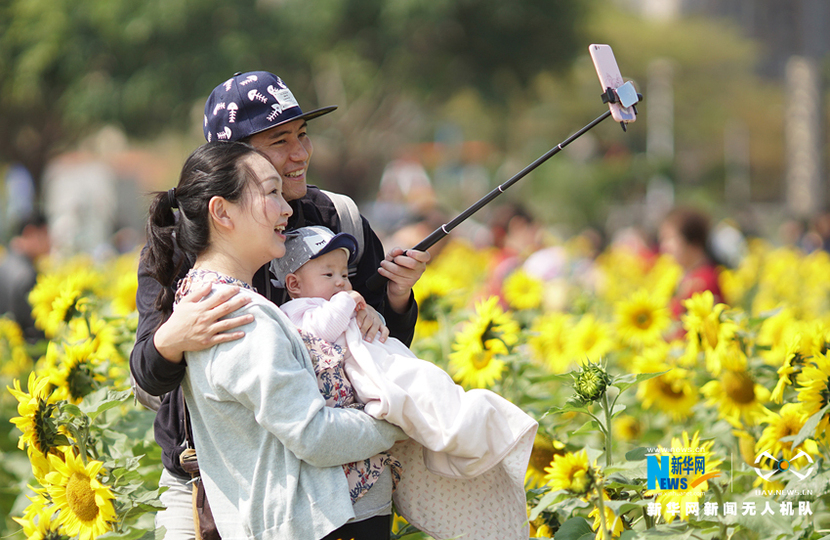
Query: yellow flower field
point(712, 426)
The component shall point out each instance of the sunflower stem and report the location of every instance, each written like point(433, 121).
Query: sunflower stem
point(599, 422)
point(719, 497)
point(601, 506)
point(80, 436)
point(647, 519)
point(608, 436)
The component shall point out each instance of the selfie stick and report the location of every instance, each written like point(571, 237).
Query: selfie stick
point(376, 281)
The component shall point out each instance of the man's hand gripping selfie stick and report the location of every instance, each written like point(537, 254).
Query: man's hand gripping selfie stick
point(621, 100)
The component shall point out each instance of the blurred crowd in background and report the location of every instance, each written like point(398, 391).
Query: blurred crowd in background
point(89, 126)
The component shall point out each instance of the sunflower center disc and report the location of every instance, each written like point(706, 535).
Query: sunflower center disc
point(643, 321)
point(482, 359)
point(739, 387)
point(81, 497)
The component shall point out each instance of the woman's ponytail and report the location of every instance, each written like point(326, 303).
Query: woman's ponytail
point(161, 244)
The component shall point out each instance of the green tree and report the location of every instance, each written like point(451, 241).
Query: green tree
point(446, 45)
point(67, 67)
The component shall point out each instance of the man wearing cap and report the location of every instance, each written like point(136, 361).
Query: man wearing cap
point(256, 107)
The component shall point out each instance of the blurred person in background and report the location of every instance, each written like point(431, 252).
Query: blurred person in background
point(404, 194)
point(516, 235)
point(418, 227)
point(684, 235)
point(791, 233)
point(18, 272)
point(819, 233)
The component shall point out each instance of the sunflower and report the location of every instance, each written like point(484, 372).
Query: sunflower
point(678, 498)
point(701, 317)
point(39, 503)
point(475, 365)
point(540, 531)
point(103, 336)
point(625, 270)
point(814, 390)
point(627, 428)
point(673, 392)
point(39, 524)
point(746, 446)
point(435, 295)
point(590, 339)
point(641, 319)
point(737, 283)
point(545, 524)
point(788, 277)
point(590, 382)
point(47, 289)
point(523, 291)
point(542, 454)
point(461, 254)
point(573, 473)
point(793, 362)
point(663, 277)
point(123, 294)
point(477, 349)
point(57, 298)
point(16, 360)
point(548, 340)
point(788, 421)
point(399, 523)
point(776, 334)
point(37, 422)
point(613, 523)
point(85, 504)
point(76, 376)
point(738, 398)
point(711, 331)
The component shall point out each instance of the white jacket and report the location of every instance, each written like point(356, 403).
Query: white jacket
point(464, 468)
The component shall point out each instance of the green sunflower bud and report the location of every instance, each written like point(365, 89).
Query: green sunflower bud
point(590, 382)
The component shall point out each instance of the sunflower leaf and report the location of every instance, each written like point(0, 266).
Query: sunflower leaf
point(590, 426)
point(574, 529)
point(548, 499)
point(71, 409)
point(765, 520)
point(569, 407)
point(130, 533)
point(638, 454)
point(621, 507)
point(112, 400)
point(624, 382)
point(809, 427)
point(636, 469)
point(619, 408)
point(618, 482)
point(406, 530)
point(816, 485)
point(561, 377)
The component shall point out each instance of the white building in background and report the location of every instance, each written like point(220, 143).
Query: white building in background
point(96, 199)
point(80, 200)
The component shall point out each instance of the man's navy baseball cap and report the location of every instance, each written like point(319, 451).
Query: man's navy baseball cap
point(249, 103)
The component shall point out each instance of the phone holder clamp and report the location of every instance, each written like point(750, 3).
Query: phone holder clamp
point(625, 95)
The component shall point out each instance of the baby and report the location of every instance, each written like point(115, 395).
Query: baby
point(462, 442)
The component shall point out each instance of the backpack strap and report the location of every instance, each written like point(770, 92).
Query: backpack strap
point(350, 222)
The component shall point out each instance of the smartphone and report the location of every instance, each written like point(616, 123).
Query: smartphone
point(609, 77)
